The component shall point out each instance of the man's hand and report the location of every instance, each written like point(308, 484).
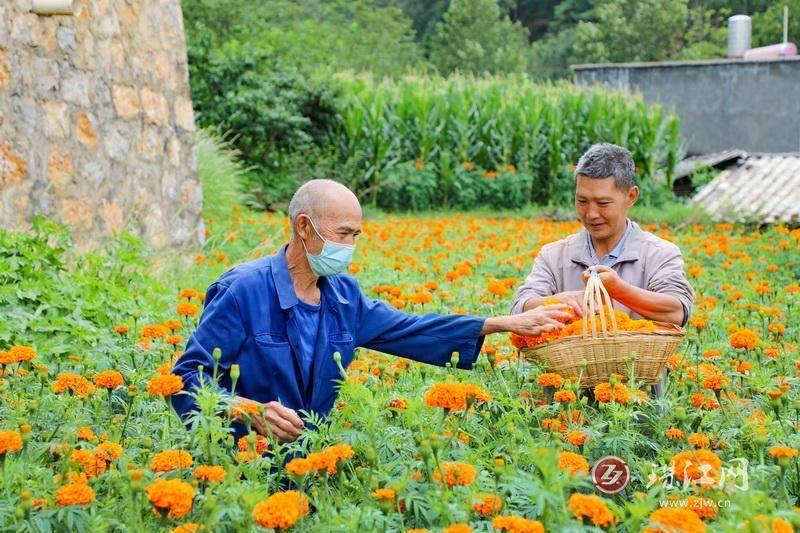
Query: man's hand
point(611, 280)
point(574, 299)
point(530, 323)
point(268, 419)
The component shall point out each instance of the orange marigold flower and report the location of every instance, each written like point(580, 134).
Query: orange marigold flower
point(497, 288)
point(674, 434)
point(262, 444)
point(122, 329)
point(485, 504)
point(604, 393)
point(670, 520)
point(281, 510)
point(93, 462)
point(109, 379)
point(699, 440)
point(170, 460)
point(171, 495)
point(517, 524)
point(554, 424)
point(173, 324)
point(593, 508)
point(165, 384)
point(326, 459)
point(174, 339)
point(299, 466)
point(189, 294)
point(209, 474)
point(79, 385)
point(457, 528)
point(187, 309)
point(10, 441)
point(455, 396)
point(110, 451)
point(576, 438)
point(715, 382)
point(22, 353)
point(550, 380)
point(246, 408)
point(700, 466)
point(565, 396)
point(455, 474)
point(675, 362)
point(387, 494)
point(397, 403)
point(704, 508)
point(780, 452)
point(74, 494)
point(154, 331)
point(744, 338)
point(573, 463)
point(84, 433)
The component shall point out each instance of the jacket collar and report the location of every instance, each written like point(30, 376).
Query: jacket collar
point(578, 247)
point(287, 297)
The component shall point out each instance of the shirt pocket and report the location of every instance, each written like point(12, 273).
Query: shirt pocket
point(275, 352)
point(343, 343)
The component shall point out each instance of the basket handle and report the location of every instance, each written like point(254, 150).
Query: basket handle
point(594, 297)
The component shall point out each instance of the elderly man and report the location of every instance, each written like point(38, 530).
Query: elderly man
point(281, 318)
point(642, 273)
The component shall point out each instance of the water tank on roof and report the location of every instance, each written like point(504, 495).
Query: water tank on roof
point(739, 33)
point(773, 51)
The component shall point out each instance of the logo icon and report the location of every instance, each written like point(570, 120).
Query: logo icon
point(610, 474)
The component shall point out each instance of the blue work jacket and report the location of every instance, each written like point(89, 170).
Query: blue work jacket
point(249, 315)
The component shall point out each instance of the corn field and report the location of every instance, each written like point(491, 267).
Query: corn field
point(390, 130)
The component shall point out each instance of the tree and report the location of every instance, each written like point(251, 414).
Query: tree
point(476, 36)
point(768, 25)
point(632, 30)
point(312, 35)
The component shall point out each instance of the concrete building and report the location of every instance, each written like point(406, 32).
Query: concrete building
point(752, 105)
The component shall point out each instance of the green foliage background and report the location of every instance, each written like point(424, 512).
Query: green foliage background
point(267, 75)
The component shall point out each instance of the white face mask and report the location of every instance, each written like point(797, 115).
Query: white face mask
point(334, 258)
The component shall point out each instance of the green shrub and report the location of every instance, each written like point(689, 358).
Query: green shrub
point(409, 186)
point(63, 310)
point(272, 114)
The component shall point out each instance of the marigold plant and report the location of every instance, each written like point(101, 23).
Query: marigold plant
point(281, 510)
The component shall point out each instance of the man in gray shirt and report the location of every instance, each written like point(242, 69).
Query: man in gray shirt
point(643, 273)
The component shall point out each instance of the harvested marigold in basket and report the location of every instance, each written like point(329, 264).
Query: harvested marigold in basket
point(574, 326)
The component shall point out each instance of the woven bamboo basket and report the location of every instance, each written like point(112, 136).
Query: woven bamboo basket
point(597, 353)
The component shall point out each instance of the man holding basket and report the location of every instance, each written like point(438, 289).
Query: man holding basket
point(642, 273)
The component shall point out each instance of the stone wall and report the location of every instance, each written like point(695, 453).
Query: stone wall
point(96, 122)
point(723, 104)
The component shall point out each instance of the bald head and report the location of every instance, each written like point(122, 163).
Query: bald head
point(318, 198)
point(334, 209)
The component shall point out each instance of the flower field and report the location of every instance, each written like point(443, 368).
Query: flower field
point(88, 441)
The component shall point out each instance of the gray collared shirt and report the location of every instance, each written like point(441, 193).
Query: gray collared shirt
point(645, 261)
